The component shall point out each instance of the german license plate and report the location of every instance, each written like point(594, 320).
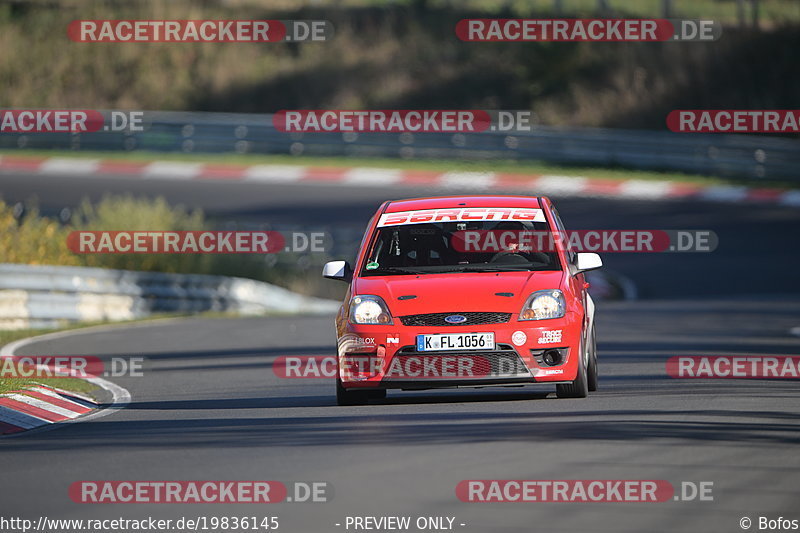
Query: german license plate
point(455, 341)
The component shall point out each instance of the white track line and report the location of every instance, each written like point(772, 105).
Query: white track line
point(71, 397)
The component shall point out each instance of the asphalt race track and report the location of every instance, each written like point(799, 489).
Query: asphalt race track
point(210, 406)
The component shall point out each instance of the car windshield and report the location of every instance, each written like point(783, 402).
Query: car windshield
point(475, 246)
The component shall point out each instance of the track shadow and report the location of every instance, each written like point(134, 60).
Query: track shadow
point(364, 428)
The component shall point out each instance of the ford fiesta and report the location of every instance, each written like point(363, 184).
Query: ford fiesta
point(463, 291)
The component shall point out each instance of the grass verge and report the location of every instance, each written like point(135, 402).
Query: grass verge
point(68, 384)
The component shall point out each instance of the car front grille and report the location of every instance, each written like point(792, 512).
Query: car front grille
point(472, 319)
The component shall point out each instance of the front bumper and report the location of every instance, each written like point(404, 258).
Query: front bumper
point(371, 356)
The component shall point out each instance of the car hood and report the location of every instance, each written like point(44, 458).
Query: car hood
point(444, 293)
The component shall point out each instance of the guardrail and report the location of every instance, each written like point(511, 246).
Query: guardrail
point(755, 157)
point(48, 296)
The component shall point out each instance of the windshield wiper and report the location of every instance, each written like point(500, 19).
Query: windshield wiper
point(490, 268)
point(452, 268)
point(401, 270)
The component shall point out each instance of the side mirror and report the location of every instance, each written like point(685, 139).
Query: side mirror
point(340, 270)
point(587, 261)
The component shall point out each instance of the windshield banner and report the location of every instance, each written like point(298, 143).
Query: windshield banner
point(522, 214)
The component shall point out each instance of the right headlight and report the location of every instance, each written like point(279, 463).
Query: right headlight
point(542, 305)
point(369, 309)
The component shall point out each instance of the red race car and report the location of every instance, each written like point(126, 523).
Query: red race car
point(465, 291)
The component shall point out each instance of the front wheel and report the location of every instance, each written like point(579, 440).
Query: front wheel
point(350, 397)
point(578, 388)
point(591, 371)
point(377, 394)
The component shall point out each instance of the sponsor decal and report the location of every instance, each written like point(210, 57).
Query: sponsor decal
point(550, 336)
point(393, 339)
point(519, 338)
point(553, 371)
point(523, 214)
point(351, 342)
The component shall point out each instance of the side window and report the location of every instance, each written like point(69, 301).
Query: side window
point(367, 235)
point(562, 232)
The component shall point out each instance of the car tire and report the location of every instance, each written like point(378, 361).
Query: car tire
point(376, 394)
point(578, 388)
point(591, 371)
point(346, 397)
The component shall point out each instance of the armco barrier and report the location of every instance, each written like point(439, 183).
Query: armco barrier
point(47, 296)
point(755, 157)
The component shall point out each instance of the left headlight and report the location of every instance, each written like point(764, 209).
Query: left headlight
point(542, 305)
point(369, 309)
